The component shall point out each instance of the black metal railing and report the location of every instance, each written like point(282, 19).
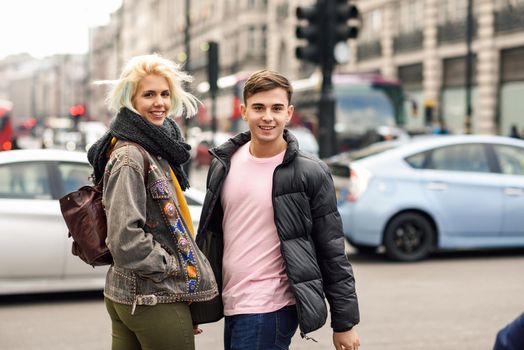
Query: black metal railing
point(509, 18)
point(454, 31)
point(368, 50)
point(408, 41)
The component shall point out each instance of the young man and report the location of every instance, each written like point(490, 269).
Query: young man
point(272, 233)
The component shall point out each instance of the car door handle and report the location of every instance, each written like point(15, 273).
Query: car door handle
point(514, 192)
point(437, 186)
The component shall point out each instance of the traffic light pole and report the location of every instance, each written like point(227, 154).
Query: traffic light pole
point(213, 114)
point(187, 48)
point(469, 68)
point(327, 136)
point(212, 73)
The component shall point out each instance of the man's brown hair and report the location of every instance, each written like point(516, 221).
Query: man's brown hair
point(265, 80)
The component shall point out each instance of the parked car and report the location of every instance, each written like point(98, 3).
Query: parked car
point(91, 132)
point(60, 133)
point(35, 251)
point(306, 140)
point(433, 193)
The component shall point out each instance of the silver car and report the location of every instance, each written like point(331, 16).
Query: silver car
point(433, 193)
point(35, 251)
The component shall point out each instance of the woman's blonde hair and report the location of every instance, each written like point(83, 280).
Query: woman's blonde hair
point(124, 89)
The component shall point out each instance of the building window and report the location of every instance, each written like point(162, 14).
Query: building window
point(453, 21)
point(453, 97)
point(264, 39)
point(455, 71)
point(502, 4)
point(411, 77)
point(509, 15)
point(452, 11)
point(410, 21)
point(411, 16)
point(251, 41)
point(511, 64)
point(511, 89)
point(371, 26)
point(369, 38)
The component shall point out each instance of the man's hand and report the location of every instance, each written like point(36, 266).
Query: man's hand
point(346, 340)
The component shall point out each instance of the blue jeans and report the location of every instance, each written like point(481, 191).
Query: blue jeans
point(511, 337)
point(268, 331)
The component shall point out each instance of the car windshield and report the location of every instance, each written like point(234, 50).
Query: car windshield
point(370, 150)
point(340, 163)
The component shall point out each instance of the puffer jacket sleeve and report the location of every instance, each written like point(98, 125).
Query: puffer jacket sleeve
point(125, 202)
point(337, 273)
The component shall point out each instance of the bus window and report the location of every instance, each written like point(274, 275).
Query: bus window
point(361, 109)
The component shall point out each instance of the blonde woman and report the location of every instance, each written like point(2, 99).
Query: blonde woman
point(157, 269)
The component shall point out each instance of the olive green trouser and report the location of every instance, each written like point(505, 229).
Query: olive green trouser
point(158, 327)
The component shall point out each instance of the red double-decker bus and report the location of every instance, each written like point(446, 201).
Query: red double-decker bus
point(6, 125)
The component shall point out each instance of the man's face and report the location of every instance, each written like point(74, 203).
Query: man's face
point(267, 113)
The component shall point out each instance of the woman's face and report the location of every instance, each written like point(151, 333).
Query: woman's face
point(152, 99)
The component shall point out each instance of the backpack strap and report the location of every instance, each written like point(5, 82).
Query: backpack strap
point(147, 164)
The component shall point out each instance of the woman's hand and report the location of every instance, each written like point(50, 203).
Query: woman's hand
point(196, 330)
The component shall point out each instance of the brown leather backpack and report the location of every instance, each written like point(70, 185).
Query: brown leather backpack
point(85, 217)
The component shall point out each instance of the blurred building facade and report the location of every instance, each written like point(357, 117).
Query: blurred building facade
point(104, 62)
point(42, 88)
point(420, 42)
point(423, 43)
point(252, 34)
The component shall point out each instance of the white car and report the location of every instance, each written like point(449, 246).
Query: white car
point(306, 140)
point(35, 251)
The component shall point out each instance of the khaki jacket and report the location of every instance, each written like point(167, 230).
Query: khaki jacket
point(148, 239)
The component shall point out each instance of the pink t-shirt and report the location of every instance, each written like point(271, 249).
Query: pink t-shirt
point(254, 276)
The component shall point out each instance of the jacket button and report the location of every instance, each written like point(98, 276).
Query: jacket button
point(158, 157)
point(168, 174)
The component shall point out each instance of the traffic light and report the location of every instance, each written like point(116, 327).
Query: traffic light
point(312, 32)
point(347, 21)
point(329, 23)
point(77, 110)
point(212, 66)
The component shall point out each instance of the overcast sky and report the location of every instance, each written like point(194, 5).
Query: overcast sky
point(46, 27)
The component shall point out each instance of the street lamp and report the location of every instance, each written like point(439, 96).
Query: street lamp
point(469, 68)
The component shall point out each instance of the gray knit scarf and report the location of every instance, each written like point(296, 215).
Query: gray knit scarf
point(165, 141)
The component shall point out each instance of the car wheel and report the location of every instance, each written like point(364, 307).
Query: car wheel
point(409, 237)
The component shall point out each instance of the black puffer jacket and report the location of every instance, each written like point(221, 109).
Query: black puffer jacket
point(310, 231)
